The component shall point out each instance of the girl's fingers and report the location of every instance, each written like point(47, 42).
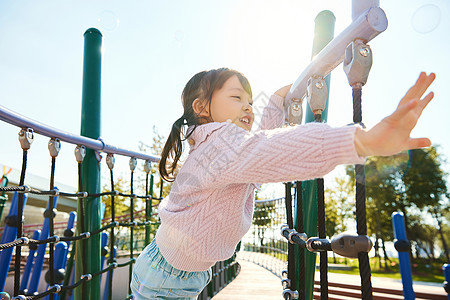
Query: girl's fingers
point(421, 85)
point(403, 109)
point(424, 102)
point(419, 143)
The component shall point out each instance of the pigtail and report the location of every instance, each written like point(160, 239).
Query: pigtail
point(172, 150)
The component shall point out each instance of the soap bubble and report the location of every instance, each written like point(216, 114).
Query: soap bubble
point(4, 296)
point(426, 18)
point(108, 20)
point(179, 35)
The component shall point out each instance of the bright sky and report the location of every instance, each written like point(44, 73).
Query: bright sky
point(152, 48)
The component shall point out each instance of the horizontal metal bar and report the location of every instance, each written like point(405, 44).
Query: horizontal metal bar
point(18, 120)
point(268, 200)
point(366, 27)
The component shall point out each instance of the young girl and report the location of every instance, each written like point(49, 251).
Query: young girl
point(210, 206)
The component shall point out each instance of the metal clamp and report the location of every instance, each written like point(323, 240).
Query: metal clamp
point(295, 112)
point(147, 166)
point(80, 153)
point(54, 145)
point(288, 294)
point(350, 244)
point(357, 62)
point(57, 286)
point(26, 138)
point(133, 163)
point(316, 244)
point(402, 245)
point(87, 276)
point(286, 282)
point(316, 94)
point(110, 160)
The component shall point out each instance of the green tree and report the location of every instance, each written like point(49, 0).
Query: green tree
point(338, 207)
point(264, 218)
point(155, 149)
point(409, 181)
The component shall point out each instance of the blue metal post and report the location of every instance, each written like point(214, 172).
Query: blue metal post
point(446, 269)
point(30, 261)
point(104, 244)
point(61, 250)
point(105, 294)
point(70, 225)
point(9, 235)
point(39, 261)
point(403, 257)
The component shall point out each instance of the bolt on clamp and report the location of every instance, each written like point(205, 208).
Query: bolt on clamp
point(357, 63)
point(316, 94)
point(26, 137)
point(295, 112)
point(54, 145)
point(80, 153)
point(110, 160)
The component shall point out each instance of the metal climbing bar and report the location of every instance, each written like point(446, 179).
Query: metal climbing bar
point(18, 120)
point(369, 20)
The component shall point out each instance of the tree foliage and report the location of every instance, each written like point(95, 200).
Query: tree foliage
point(410, 182)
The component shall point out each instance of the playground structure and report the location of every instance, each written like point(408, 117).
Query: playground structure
point(351, 47)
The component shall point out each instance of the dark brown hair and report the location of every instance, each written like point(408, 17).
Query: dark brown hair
point(202, 85)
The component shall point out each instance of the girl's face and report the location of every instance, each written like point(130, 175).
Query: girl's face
point(232, 102)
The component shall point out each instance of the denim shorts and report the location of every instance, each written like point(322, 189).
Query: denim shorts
point(155, 278)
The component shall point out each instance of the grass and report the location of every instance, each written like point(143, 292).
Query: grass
point(421, 271)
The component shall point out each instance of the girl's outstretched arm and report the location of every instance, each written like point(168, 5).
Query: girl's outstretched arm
point(392, 134)
point(273, 113)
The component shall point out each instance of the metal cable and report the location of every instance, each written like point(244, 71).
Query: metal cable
point(291, 247)
point(19, 226)
point(361, 223)
point(322, 235)
point(112, 259)
point(130, 275)
point(83, 241)
point(51, 226)
point(301, 250)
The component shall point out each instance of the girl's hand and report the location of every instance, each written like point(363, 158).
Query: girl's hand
point(283, 91)
point(391, 135)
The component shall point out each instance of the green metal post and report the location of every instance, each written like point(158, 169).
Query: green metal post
point(3, 196)
point(90, 169)
point(323, 34)
point(148, 213)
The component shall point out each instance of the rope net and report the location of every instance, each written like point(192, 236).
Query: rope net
point(111, 225)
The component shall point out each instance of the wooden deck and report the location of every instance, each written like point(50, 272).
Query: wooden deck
point(253, 282)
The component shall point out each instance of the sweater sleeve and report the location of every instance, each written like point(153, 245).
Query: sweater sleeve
point(273, 114)
point(285, 154)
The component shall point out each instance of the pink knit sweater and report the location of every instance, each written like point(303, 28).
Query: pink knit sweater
point(210, 206)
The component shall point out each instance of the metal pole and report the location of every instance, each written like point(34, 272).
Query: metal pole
point(323, 34)
point(90, 169)
point(403, 256)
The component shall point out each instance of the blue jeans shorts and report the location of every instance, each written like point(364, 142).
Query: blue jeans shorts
point(155, 278)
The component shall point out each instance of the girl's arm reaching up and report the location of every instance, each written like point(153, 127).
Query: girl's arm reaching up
point(273, 113)
point(392, 134)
